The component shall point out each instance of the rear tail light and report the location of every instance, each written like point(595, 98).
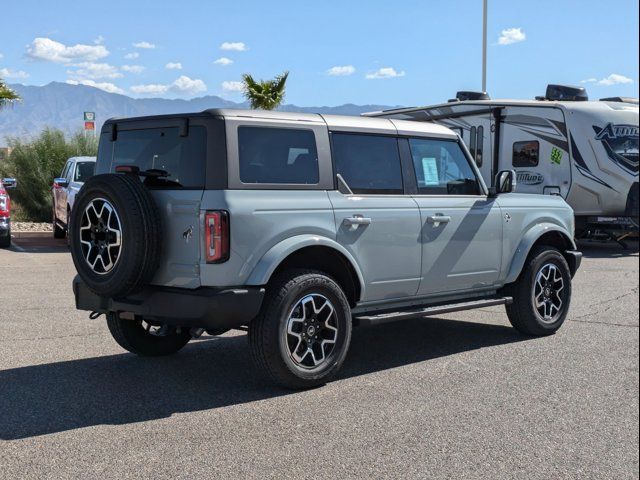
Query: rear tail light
point(4, 205)
point(216, 236)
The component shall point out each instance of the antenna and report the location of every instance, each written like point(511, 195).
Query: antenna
point(484, 45)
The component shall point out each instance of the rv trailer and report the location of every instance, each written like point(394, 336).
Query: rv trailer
point(560, 144)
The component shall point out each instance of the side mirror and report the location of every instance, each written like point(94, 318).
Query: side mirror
point(505, 182)
point(60, 182)
point(9, 183)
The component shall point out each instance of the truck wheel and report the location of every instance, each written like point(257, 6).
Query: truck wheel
point(302, 334)
point(542, 293)
point(146, 339)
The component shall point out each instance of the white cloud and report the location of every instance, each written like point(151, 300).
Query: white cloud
point(613, 79)
point(132, 68)
point(99, 40)
point(132, 55)
point(232, 86)
point(106, 86)
point(144, 45)
point(511, 35)
point(13, 74)
point(341, 71)
point(95, 70)
point(385, 72)
point(182, 85)
point(173, 66)
point(1, 55)
point(233, 46)
point(52, 51)
point(224, 61)
point(187, 85)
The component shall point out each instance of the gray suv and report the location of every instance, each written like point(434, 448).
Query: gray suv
point(296, 227)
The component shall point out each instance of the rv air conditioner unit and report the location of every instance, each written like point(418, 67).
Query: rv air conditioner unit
point(468, 95)
point(566, 93)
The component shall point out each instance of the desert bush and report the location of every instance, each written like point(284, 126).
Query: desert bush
point(36, 162)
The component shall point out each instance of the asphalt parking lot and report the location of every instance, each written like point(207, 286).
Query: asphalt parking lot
point(461, 396)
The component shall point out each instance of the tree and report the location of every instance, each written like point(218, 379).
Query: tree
point(35, 163)
point(7, 96)
point(264, 94)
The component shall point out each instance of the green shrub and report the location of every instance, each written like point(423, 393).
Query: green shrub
point(35, 163)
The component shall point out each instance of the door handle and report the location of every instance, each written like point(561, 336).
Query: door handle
point(438, 219)
point(356, 220)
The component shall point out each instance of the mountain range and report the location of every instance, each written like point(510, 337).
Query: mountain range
point(61, 105)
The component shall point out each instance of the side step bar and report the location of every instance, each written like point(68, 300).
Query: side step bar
point(431, 311)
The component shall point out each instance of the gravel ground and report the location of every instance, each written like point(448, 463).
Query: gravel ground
point(31, 227)
point(460, 396)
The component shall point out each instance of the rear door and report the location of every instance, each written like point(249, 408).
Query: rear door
point(461, 228)
point(533, 141)
point(167, 145)
point(378, 224)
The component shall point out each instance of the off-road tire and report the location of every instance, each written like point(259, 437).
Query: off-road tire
point(522, 312)
point(267, 345)
point(132, 336)
point(141, 234)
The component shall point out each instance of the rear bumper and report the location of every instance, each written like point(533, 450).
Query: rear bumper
point(210, 308)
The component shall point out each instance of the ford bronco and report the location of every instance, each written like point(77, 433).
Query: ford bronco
point(296, 227)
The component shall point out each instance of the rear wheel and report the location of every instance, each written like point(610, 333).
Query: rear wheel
point(146, 338)
point(5, 240)
point(542, 293)
point(302, 334)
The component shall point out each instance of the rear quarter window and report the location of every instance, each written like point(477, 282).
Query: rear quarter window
point(183, 158)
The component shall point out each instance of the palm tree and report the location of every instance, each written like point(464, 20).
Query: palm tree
point(264, 94)
point(7, 96)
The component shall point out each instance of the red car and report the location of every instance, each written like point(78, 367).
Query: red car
point(5, 210)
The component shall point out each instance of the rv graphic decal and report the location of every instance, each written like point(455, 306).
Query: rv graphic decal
point(529, 178)
point(621, 144)
point(582, 166)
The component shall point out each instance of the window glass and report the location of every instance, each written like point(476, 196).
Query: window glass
point(526, 154)
point(370, 164)
point(277, 155)
point(472, 142)
point(183, 158)
point(65, 170)
point(479, 146)
point(84, 170)
point(442, 168)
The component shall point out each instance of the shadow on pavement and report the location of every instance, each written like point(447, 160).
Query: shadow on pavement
point(122, 389)
point(598, 249)
point(38, 243)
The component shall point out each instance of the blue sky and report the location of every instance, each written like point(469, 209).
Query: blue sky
point(363, 52)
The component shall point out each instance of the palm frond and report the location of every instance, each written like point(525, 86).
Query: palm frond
point(264, 94)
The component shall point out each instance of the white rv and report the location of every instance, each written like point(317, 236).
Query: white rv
point(560, 144)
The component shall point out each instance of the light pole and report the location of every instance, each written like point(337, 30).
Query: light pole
point(484, 45)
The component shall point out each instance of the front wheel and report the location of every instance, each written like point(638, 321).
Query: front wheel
point(302, 334)
point(146, 338)
point(542, 293)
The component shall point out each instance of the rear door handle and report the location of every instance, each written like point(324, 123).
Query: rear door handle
point(437, 219)
point(356, 220)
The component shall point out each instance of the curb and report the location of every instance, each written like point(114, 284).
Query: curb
point(39, 234)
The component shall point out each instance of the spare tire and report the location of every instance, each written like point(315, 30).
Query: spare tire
point(115, 234)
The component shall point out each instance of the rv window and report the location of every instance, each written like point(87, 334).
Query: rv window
point(472, 142)
point(526, 154)
point(442, 168)
point(479, 146)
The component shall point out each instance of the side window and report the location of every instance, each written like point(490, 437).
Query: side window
point(65, 170)
point(277, 156)
point(84, 170)
point(69, 175)
point(370, 164)
point(479, 146)
point(526, 154)
point(442, 168)
point(472, 142)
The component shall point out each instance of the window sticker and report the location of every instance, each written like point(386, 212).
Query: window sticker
point(430, 171)
point(556, 155)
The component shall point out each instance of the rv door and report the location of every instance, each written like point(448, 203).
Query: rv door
point(475, 131)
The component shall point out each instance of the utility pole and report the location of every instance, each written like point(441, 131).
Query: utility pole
point(484, 45)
